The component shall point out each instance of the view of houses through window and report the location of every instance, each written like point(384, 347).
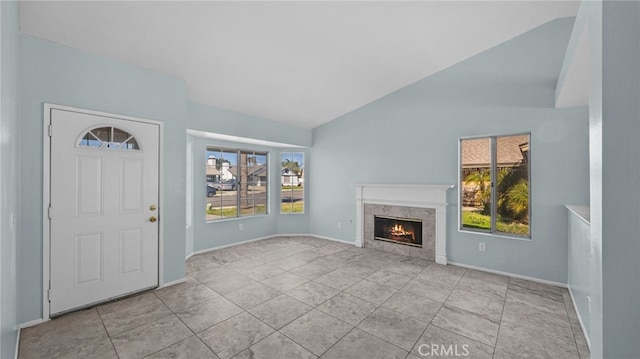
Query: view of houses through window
point(236, 183)
point(495, 184)
point(292, 182)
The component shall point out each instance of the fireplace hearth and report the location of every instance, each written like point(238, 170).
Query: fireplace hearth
point(405, 231)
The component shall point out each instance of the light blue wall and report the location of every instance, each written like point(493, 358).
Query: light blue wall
point(9, 183)
point(579, 26)
point(214, 120)
point(225, 232)
point(295, 223)
point(620, 196)
point(411, 136)
point(60, 75)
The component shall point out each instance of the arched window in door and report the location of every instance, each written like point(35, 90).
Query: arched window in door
point(109, 137)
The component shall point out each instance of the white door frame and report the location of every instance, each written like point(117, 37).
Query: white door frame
point(46, 195)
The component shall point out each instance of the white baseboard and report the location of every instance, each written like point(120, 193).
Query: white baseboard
point(440, 259)
point(309, 235)
point(32, 323)
point(584, 332)
point(329, 239)
point(231, 245)
point(169, 284)
point(267, 237)
point(482, 269)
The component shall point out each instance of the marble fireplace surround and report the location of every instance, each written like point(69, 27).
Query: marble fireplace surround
point(412, 201)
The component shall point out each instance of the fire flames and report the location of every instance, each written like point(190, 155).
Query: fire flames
point(398, 230)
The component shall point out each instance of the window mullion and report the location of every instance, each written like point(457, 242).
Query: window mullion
point(494, 180)
point(238, 183)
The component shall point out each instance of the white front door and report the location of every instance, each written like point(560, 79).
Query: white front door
point(103, 208)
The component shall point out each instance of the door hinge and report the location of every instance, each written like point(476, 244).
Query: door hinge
point(49, 212)
point(50, 130)
point(49, 294)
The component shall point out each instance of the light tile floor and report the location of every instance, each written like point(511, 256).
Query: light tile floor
point(302, 297)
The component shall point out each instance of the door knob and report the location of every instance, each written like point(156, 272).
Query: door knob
point(152, 207)
point(152, 219)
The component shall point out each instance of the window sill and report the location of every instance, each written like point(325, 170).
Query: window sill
point(231, 219)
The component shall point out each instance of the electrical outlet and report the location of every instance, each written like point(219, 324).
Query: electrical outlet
point(339, 225)
point(241, 226)
point(482, 247)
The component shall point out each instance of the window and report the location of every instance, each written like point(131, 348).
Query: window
point(292, 182)
point(494, 184)
point(109, 137)
point(237, 183)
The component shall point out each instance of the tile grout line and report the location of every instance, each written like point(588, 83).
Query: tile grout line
point(504, 304)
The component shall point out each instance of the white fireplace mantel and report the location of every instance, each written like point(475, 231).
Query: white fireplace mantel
point(410, 195)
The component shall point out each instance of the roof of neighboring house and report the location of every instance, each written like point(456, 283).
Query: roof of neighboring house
point(260, 171)
point(211, 170)
point(476, 152)
point(287, 172)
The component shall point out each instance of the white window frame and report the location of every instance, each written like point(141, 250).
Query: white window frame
point(493, 231)
point(238, 152)
point(292, 153)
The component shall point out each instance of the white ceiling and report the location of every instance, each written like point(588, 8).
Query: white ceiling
point(303, 63)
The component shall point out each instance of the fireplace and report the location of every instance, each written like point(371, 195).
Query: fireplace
point(426, 203)
point(405, 231)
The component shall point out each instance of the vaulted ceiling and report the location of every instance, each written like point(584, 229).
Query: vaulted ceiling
point(298, 62)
